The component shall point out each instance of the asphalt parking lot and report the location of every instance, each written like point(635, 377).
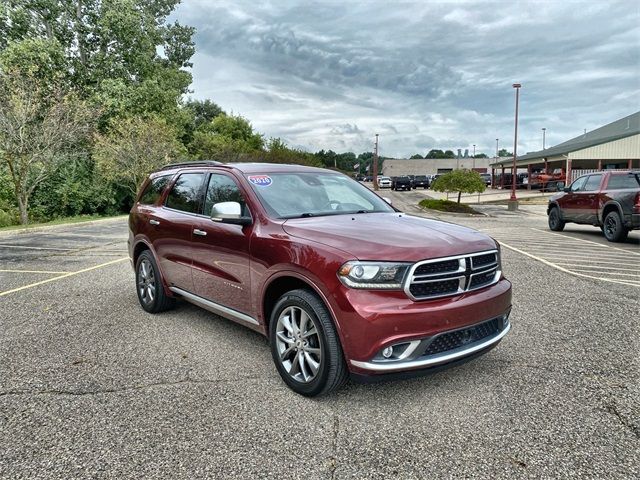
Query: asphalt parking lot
point(92, 386)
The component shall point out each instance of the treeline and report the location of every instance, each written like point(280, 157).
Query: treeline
point(92, 99)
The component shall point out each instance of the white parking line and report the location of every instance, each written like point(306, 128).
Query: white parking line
point(587, 241)
point(32, 271)
point(558, 267)
point(599, 267)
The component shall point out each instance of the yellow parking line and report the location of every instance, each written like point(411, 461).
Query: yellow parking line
point(69, 274)
point(32, 271)
point(558, 267)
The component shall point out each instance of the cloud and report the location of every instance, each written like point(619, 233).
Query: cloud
point(421, 74)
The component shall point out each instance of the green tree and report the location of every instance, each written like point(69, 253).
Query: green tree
point(480, 155)
point(435, 153)
point(449, 154)
point(226, 138)
point(504, 153)
point(122, 53)
point(204, 111)
point(415, 156)
point(133, 147)
point(461, 181)
point(37, 132)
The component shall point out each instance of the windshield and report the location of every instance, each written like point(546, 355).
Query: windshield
point(301, 194)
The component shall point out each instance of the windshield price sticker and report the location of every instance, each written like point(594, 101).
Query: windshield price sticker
point(260, 180)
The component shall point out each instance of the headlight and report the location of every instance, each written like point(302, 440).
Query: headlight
point(373, 275)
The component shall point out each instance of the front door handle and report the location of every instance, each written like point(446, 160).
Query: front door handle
point(202, 233)
point(154, 222)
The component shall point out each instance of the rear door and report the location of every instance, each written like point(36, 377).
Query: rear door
point(589, 200)
point(221, 251)
point(173, 229)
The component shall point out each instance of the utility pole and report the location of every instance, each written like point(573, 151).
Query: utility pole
point(544, 131)
point(474, 157)
point(513, 201)
point(375, 165)
point(497, 148)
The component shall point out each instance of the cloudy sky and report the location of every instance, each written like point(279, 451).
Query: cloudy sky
point(421, 74)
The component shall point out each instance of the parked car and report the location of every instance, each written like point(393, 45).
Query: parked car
point(402, 182)
point(310, 258)
point(421, 181)
point(609, 200)
point(486, 177)
point(384, 182)
point(549, 182)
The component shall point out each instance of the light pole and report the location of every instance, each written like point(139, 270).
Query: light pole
point(513, 200)
point(375, 166)
point(474, 157)
point(497, 148)
point(544, 131)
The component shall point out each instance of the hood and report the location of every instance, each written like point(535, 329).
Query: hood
point(389, 236)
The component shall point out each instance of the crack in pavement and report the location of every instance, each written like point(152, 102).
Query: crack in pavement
point(611, 408)
point(333, 461)
point(184, 381)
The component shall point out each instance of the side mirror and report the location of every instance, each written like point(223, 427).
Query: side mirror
point(560, 186)
point(229, 212)
point(388, 200)
point(566, 189)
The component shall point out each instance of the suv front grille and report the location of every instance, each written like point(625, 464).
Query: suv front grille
point(459, 338)
point(452, 275)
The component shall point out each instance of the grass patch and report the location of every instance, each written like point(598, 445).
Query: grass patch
point(446, 206)
point(59, 221)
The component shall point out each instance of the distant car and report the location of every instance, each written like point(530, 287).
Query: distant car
point(487, 178)
point(434, 178)
point(384, 182)
point(421, 181)
point(609, 200)
point(402, 182)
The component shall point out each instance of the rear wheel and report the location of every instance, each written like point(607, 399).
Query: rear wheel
point(151, 294)
point(555, 221)
point(614, 230)
point(305, 345)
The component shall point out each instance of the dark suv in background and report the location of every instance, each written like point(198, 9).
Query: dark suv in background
point(339, 281)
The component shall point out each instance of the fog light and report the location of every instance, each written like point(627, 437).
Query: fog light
point(387, 352)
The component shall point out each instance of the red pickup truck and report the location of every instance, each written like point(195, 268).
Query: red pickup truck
point(609, 200)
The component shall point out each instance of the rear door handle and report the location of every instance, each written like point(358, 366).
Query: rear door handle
point(202, 233)
point(154, 222)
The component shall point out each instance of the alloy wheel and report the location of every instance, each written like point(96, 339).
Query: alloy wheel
point(146, 282)
point(298, 344)
point(610, 226)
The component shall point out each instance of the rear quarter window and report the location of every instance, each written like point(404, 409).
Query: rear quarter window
point(621, 182)
point(153, 190)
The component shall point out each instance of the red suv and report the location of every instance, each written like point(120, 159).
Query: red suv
point(338, 280)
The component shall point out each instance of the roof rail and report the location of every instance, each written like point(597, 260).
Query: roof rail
point(194, 163)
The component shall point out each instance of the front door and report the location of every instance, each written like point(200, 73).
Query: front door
point(221, 251)
point(571, 202)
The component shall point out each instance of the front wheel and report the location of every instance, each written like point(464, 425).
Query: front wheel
point(305, 345)
point(556, 223)
point(614, 229)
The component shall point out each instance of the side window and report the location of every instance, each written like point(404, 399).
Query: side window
point(223, 189)
point(623, 181)
point(578, 184)
point(154, 190)
point(593, 183)
point(186, 193)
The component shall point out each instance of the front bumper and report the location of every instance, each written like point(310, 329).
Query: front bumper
point(370, 321)
point(415, 357)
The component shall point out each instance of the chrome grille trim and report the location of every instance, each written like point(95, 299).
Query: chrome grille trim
point(471, 265)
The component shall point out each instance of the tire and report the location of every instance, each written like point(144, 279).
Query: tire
point(149, 288)
point(613, 228)
point(556, 223)
point(322, 347)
